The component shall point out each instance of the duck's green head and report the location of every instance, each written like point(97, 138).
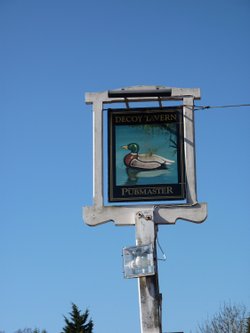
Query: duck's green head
point(133, 147)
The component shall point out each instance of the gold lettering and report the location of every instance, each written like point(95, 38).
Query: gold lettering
point(146, 118)
point(128, 119)
point(149, 118)
point(146, 191)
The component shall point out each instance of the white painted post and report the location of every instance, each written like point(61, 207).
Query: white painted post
point(189, 144)
point(98, 159)
point(149, 296)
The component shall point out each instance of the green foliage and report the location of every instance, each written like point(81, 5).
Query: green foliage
point(248, 325)
point(78, 323)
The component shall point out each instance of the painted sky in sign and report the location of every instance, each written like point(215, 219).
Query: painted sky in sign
point(52, 52)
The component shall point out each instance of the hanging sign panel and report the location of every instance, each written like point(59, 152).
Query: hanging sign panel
point(146, 154)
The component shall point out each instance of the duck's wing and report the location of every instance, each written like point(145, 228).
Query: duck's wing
point(155, 158)
point(166, 160)
point(145, 164)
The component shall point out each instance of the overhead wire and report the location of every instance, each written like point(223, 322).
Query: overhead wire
point(164, 257)
point(204, 107)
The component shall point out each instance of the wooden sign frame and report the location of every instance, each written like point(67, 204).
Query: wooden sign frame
point(124, 215)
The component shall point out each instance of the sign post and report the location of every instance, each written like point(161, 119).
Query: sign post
point(148, 286)
point(151, 177)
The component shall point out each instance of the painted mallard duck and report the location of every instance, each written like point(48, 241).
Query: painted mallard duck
point(144, 161)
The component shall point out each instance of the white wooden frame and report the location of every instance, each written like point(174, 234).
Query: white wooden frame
point(163, 214)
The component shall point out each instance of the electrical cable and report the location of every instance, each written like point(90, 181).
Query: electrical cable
point(204, 107)
point(164, 257)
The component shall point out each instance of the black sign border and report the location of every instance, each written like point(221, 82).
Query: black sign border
point(164, 189)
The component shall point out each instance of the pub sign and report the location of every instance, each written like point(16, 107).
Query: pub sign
point(146, 154)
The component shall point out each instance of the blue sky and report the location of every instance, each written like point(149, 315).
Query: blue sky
point(52, 52)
